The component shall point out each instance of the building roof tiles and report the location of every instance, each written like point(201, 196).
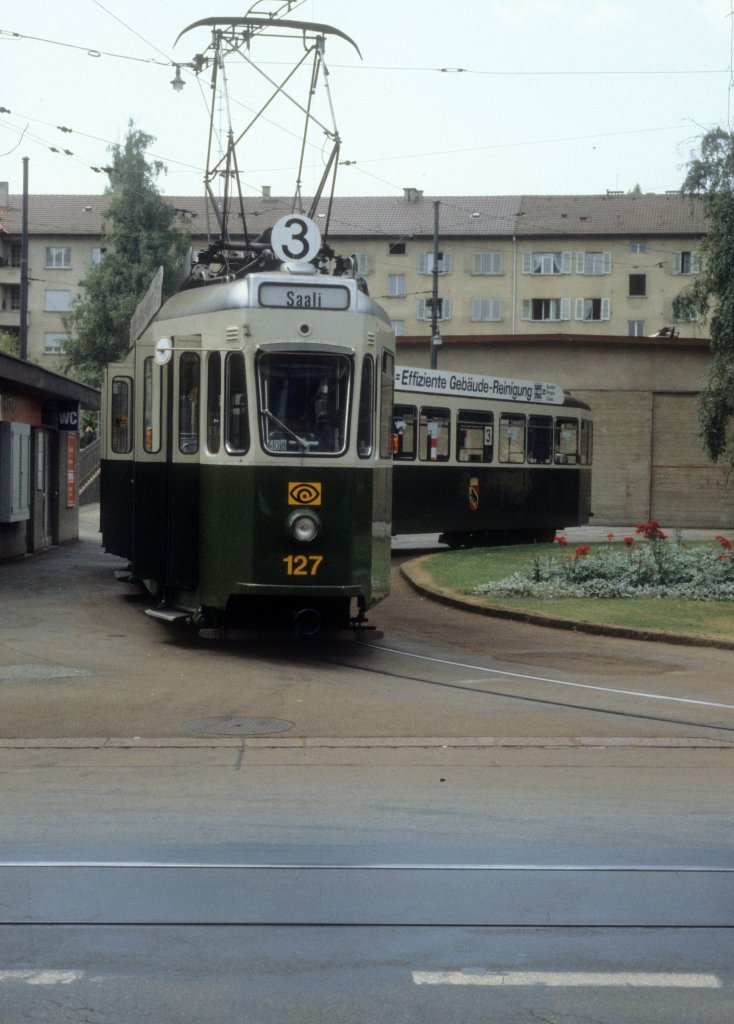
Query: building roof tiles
point(400, 218)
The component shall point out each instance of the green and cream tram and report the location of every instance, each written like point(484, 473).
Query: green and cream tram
point(247, 465)
point(487, 460)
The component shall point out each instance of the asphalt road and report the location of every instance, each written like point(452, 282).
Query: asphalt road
point(467, 819)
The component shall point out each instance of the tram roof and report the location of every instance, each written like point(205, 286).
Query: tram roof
point(401, 217)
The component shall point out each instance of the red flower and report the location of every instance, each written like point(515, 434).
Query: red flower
point(610, 537)
point(560, 539)
point(651, 530)
point(725, 542)
point(723, 558)
point(629, 540)
point(582, 550)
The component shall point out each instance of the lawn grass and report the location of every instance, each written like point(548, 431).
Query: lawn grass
point(461, 571)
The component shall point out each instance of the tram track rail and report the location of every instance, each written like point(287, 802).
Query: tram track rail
point(536, 700)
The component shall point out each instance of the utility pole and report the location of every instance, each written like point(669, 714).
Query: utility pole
point(23, 331)
point(435, 334)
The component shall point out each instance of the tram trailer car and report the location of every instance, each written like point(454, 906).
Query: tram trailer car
point(488, 461)
point(247, 466)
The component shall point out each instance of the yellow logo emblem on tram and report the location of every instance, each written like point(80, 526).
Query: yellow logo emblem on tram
point(304, 493)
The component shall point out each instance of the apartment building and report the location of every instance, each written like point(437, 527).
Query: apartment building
point(577, 290)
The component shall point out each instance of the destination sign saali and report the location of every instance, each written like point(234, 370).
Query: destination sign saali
point(439, 382)
point(303, 296)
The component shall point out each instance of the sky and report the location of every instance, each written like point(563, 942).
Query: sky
point(554, 96)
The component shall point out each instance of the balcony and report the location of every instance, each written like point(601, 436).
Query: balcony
point(9, 275)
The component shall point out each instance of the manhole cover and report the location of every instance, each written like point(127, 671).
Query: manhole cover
point(228, 726)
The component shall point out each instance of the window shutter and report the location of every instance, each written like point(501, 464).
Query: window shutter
point(477, 265)
point(677, 262)
point(579, 309)
point(476, 309)
point(526, 310)
point(421, 310)
point(446, 263)
point(565, 309)
point(445, 309)
point(694, 261)
point(580, 264)
point(566, 262)
point(607, 262)
point(423, 263)
point(526, 265)
point(606, 309)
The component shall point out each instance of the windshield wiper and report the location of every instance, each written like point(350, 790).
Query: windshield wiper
point(291, 433)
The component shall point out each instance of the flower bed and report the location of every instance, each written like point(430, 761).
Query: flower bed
point(650, 566)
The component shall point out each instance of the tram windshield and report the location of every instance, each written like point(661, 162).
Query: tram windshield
point(303, 403)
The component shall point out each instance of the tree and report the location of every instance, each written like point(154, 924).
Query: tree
point(711, 177)
point(9, 343)
point(140, 235)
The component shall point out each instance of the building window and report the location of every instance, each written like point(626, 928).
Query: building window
point(546, 262)
point(685, 262)
point(486, 310)
point(396, 285)
point(546, 309)
point(57, 300)
point(638, 285)
point(425, 263)
point(593, 262)
point(11, 297)
point(424, 309)
point(97, 253)
point(486, 263)
point(636, 328)
point(593, 309)
point(396, 249)
point(58, 256)
point(638, 246)
point(16, 253)
point(398, 327)
point(54, 342)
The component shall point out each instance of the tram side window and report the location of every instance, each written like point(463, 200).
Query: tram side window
point(474, 436)
point(404, 418)
point(434, 435)
point(151, 406)
point(387, 383)
point(540, 440)
point(238, 424)
point(587, 442)
point(213, 402)
point(188, 403)
point(567, 442)
point(122, 418)
point(512, 437)
point(366, 406)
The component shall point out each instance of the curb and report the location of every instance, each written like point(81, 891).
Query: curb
point(419, 579)
point(302, 743)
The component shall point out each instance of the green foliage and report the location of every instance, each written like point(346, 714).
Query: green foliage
point(9, 343)
point(140, 236)
point(711, 177)
point(656, 568)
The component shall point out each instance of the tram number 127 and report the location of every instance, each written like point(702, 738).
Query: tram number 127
point(302, 565)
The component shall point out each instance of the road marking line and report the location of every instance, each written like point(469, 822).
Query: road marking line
point(567, 979)
point(556, 682)
point(42, 977)
point(670, 869)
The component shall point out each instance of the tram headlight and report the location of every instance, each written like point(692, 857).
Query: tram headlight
point(303, 526)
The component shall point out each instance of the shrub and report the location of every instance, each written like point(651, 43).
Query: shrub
point(654, 567)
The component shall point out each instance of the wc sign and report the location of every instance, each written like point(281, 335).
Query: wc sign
point(69, 417)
